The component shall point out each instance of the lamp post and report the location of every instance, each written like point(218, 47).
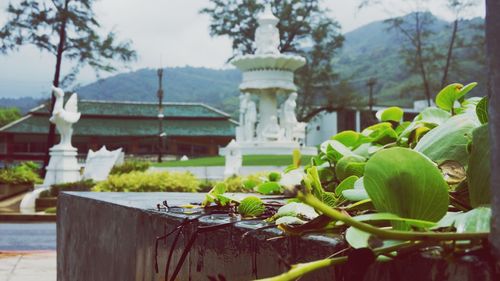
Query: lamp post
point(371, 83)
point(161, 134)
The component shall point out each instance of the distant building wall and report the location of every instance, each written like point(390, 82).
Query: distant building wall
point(326, 124)
point(321, 127)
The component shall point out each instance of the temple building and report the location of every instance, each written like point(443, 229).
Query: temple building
point(192, 129)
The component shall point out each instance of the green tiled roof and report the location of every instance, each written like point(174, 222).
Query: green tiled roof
point(37, 124)
point(132, 109)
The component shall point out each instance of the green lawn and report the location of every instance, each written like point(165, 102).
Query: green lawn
point(248, 160)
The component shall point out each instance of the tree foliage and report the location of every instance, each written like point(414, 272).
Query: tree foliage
point(67, 29)
point(305, 28)
point(8, 115)
point(432, 61)
point(418, 52)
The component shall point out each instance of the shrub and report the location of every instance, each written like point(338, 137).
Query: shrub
point(51, 210)
point(25, 173)
point(243, 184)
point(147, 181)
point(130, 166)
point(206, 186)
point(83, 185)
point(45, 194)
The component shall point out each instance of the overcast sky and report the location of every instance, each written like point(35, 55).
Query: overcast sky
point(173, 33)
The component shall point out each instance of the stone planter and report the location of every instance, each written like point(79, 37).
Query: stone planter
point(111, 236)
point(8, 190)
point(43, 203)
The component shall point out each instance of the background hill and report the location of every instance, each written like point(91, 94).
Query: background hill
point(374, 50)
point(24, 104)
point(181, 84)
point(369, 51)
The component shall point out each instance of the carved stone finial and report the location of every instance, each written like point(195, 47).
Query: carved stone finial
point(267, 36)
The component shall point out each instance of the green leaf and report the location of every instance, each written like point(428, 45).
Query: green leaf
point(417, 134)
point(347, 138)
point(329, 199)
point(251, 206)
point(357, 238)
point(468, 106)
point(219, 188)
point(288, 220)
point(350, 166)
point(393, 217)
point(449, 140)
point(335, 149)
point(433, 115)
point(346, 184)
point(447, 97)
point(351, 139)
point(482, 110)
point(366, 149)
point(402, 127)
point(222, 200)
point(274, 176)
point(361, 205)
point(211, 197)
point(360, 239)
point(479, 172)
point(394, 114)
point(404, 182)
point(292, 178)
point(381, 133)
point(268, 188)
point(358, 193)
point(465, 89)
point(475, 220)
point(296, 157)
point(299, 210)
point(250, 184)
point(312, 177)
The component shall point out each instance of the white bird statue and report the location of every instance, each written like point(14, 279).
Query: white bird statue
point(65, 117)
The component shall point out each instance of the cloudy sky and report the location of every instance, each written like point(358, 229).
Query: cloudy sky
point(173, 33)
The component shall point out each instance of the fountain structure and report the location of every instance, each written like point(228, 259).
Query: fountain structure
point(264, 127)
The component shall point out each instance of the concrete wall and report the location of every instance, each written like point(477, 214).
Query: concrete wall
point(321, 128)
point(111, 236)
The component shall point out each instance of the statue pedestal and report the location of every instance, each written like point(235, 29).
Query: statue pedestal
point(62, 167)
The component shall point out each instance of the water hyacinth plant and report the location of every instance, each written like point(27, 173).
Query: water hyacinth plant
point(395, 182)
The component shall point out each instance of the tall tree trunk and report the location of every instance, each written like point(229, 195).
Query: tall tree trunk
point(420, 58)
point(493, 56)
point(60, 49)
point(449, 55)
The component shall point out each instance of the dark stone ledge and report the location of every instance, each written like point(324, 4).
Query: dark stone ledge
point(111, 236)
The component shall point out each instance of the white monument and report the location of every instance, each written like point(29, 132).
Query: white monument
point(98, 164)
point(63, 166)
point(267, 74)
point(234, 160)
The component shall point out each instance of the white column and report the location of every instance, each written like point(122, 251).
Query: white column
point(268, 106)
point(358, 121)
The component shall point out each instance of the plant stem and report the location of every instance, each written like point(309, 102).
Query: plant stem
point(387, 234)
point(303, 268)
